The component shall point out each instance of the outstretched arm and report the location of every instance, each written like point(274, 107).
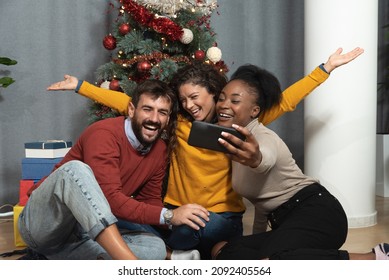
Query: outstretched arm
point(69, 83)
point(113, 99)
point(293, 95)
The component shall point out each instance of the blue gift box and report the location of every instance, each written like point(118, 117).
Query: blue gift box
point(37, 168)
point(48, 144)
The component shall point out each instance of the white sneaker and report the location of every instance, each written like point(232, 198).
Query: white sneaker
point(381, 251)
point(185, 255)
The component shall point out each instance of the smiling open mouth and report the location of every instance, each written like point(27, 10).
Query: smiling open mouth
point(151, 127)
point(225, 116)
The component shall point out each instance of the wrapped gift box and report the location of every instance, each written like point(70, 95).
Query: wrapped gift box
point(47, 149)
point(24, 186)
point(49, 144)
point(46, 153)
point(17, 238)
point(37, 168)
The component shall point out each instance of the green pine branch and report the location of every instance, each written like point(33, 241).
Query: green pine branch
point(165, 70)
point(109, 70)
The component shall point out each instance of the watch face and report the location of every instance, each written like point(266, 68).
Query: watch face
point(168, 214)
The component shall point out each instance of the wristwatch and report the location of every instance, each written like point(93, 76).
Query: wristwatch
point(167, 216)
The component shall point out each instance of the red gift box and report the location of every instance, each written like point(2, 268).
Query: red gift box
point(24, 186)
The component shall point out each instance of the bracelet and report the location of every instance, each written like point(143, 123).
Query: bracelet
point(321, 66)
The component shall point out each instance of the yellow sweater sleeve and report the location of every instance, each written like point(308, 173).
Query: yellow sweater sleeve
point(292, 96)
point(114, 99)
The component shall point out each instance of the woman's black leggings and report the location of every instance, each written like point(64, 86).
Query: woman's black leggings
point(312, 225)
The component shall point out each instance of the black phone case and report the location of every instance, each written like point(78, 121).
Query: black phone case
point(205, 135)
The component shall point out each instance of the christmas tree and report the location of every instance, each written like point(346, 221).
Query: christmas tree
point(154, 39)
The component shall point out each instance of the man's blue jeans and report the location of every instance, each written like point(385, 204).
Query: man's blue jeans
point(221, 227)
point(67, 212)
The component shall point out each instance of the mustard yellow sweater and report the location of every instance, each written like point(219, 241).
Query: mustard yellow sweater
point(198, 175)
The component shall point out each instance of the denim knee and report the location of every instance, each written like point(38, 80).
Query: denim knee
point(146, 246)
point(157, 249)
point(76, 166)
point(184, 238)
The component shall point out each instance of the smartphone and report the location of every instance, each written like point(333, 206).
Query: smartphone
point(205, 135)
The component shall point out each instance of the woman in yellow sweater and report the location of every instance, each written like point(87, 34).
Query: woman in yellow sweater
point(200, 176)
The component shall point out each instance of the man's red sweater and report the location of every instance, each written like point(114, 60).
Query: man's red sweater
point(131, 182)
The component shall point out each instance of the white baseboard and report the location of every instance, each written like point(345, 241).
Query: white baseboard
point(363, 221)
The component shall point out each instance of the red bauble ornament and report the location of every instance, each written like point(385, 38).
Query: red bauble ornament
point(144, 66)
point(109, 42)
point(114, 85)
point(124, 28)
point(199, 54)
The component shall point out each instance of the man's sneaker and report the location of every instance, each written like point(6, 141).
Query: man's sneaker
point(185, 255)
point(381, 251)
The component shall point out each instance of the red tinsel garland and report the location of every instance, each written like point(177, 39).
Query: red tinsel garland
point(159, 24)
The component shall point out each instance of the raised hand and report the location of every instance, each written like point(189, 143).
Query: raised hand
point(338, 59)
point(69, 83)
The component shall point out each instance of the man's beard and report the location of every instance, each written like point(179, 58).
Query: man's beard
point(137, 128)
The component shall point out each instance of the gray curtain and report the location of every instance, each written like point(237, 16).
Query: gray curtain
point(383, 67)
point(49, 38)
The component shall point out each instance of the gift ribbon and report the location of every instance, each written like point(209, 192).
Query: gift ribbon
point(54, 141)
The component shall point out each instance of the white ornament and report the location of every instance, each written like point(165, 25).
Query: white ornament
point(214, 54)
point(187, 36)
point(105, 84)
